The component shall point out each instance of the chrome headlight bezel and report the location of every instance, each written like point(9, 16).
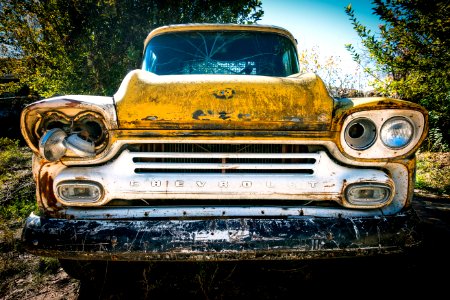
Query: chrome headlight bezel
point(378, 149)
point(360, 133)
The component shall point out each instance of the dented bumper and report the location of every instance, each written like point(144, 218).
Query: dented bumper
point(302, 237)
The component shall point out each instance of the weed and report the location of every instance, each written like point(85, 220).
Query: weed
point(433, 172)
point(48, 265)
point(435, 141)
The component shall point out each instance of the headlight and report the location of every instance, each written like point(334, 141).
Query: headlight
point(396, 133)
point(360, 133)
point(84, 135)
point(80, 145)
point(382, 133)
point(54, 144)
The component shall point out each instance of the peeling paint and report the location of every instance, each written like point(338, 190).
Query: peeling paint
point(304, 99)
point(222, 238)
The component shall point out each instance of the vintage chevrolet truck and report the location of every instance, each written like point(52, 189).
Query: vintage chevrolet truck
point(219, 149)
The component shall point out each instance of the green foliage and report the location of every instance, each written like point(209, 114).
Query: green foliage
point(435, 140)
point(433, 172)
point(9, 154)
point(87, 47)
point(410, 56)
point(17, 188)
point(18, 209)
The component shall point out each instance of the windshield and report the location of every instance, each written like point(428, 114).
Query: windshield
point(227, 52)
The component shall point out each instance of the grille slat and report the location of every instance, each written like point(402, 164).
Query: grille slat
point(226, 155)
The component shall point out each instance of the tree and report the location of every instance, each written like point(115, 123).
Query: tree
point(411, 56)
point(87, 46)
point(339, 82)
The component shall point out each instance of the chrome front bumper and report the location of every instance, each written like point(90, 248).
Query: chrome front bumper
point(239, 238)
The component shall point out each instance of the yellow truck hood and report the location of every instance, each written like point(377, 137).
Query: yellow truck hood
point(224, 102)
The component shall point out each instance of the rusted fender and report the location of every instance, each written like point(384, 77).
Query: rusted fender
point(221, 239)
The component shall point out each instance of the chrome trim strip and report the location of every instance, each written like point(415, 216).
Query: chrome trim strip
point(212, 211)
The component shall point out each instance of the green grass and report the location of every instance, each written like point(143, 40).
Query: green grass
point(17, 201)
point(17, 188)
point(433, 172)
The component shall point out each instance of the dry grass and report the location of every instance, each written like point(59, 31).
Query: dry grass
point(24, 276)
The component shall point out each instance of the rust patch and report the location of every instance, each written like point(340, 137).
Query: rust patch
point(224, 115)
point(387, 103)
point(71, 103)
point(244, 116)
point(153, 99)
point(198, 113)
point(46, 191)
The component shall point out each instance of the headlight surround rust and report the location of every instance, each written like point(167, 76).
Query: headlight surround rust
point(82, 136)
point(382, 134)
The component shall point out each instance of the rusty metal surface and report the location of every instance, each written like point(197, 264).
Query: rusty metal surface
point(221, 239)
point(398, 173)
point(145, 100)
point(69, 106)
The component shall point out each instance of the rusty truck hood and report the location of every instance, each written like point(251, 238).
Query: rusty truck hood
point(226, 102)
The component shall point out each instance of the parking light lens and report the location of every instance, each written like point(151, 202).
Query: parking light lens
point(79, 191)
point(367, 194)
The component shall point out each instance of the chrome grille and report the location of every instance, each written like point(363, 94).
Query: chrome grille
point(222, 158)
point(218, 148)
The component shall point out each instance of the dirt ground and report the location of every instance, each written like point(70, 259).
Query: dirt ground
point(422, 271)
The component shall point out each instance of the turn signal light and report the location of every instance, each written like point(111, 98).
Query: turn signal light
point(368, 194)
point(79, 191)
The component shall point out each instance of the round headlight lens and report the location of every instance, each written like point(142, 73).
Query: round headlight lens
point(396, 132)
point(360, 134)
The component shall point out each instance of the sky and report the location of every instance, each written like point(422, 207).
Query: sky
point(321, 23)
